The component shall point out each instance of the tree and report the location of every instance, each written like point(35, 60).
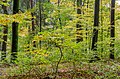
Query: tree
point(40, 18)
point(15, 32)
point(96, 24)
point(112, 29)
point(33, 22)
point(59, 18)
point(78, 26)
point(95, 30)
point(5, 32)
point(40, 15)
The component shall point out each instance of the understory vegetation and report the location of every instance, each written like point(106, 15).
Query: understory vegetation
point(59, 39)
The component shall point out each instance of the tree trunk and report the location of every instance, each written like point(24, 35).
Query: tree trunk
point(102, 29)
point(15, 32)
point(95, 31)
point(96, 24)
point(40, 19)
point(112, 29)
point(59, 18)
point(33, 24)
point(5, 32)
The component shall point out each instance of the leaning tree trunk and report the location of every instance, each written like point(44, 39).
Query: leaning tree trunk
point(96, 24)
point(78, 26)
point(112, 29)
point(15, 32)
point(5, 32)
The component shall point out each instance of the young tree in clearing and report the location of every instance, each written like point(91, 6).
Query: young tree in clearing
point(15, 32)
point(5, 32)
point(96, 24)
point(78, 26)
point(112, 29)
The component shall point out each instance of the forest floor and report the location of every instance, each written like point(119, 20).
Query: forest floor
point(97, 70)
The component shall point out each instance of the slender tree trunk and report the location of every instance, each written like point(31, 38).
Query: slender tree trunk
point(40, 15)
point(15, 32)
point(78, 26)
point(33, 23)
point(5, 32)
point(101, 28)
point(87, 30)
point(112, 29)
point(96, 24)
point(40, 18)
point(59, 14)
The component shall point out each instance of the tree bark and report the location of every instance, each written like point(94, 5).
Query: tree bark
point(112, 29)
point(96, 24)
point(5, 32)
point(95, 31)
point(40, 19)
point(15, 32)
point(33, 23)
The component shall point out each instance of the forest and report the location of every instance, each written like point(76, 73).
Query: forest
point(59, 39)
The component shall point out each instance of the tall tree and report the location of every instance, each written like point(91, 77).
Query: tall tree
point(40, 18)
point(40, 15)
point(101, 26)
point(5, 32)
point(33, 22)
point(96, 24)
point(95, 30)
point(15, 32)
point(78, 26)
point(112, 29)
